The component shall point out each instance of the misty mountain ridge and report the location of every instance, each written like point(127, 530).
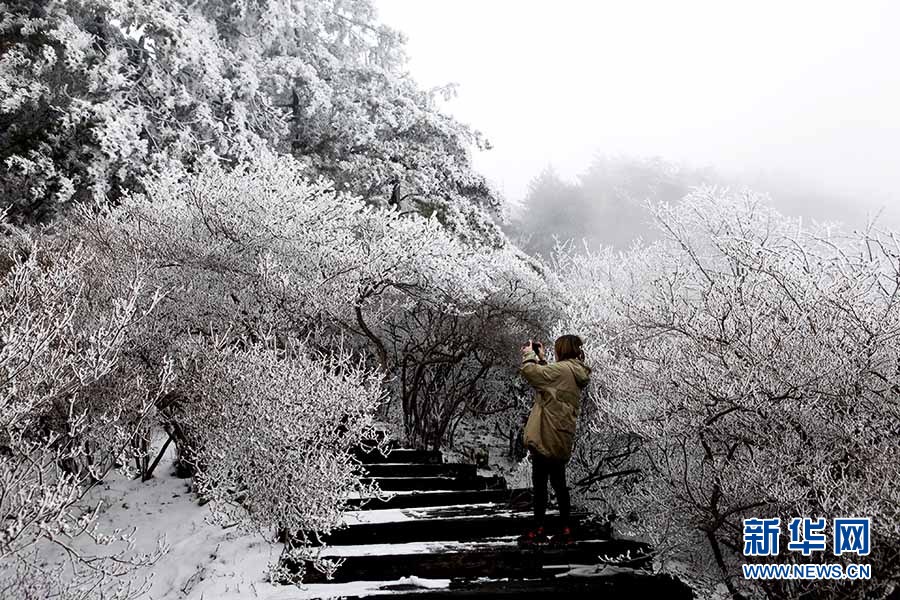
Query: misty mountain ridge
point(609, 203)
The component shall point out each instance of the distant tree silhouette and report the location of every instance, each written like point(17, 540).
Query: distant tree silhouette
point(607, 206)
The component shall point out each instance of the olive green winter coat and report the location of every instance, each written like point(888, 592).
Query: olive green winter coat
point(550, 429)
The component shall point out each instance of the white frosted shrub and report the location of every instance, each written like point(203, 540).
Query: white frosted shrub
point(70, 408)
point(746, 366)
point(261, 250)
point(270, 429)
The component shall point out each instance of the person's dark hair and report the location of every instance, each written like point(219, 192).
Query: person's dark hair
point(568, 346)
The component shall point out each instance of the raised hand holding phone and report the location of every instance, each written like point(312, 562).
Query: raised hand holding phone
point(536, 347)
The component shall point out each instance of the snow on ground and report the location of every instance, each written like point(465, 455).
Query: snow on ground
point(205, 560)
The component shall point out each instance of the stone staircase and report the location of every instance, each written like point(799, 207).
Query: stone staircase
point(448, 522)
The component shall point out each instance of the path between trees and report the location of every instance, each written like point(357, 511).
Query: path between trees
point(449, 531)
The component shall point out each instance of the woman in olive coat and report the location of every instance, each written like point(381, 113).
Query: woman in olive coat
point(550, 430)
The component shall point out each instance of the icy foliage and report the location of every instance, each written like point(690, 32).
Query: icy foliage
point(269, 430)
point(746, 367)
point(100, 93)
point(261, 250)
point(100, 96)
point(70, 409)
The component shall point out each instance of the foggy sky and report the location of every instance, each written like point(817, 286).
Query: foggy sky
point(807, 91)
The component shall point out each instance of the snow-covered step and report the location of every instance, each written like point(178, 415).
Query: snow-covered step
point(399, 455)
point(421, 470)
point(395, 515)
point(379, 437)
point(459, 523)
point(454, 528)
point(495, 558)
point(438, 483)
point(364, 589)
point(609, 583)
point(520, 497)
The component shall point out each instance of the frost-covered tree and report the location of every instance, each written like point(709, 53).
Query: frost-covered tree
point(451, 347)
point(746, 367)
point(71, 407)
point(607, 205)
point(100, 95)
point(354, 114)
point(268, 431)
point(262, 251)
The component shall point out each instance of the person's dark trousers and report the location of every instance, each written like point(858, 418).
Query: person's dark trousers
point(554, 470)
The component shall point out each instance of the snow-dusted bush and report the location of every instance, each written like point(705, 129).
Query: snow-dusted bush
point(260, 251)
point(256, 250)
point(453, 351)
point(744, 367)
point(97, 96)
point(70, 409)
point(261, 255)
point(268, 430)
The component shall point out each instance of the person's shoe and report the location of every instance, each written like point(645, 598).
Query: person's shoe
point(534, 537)
point(563, 539)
